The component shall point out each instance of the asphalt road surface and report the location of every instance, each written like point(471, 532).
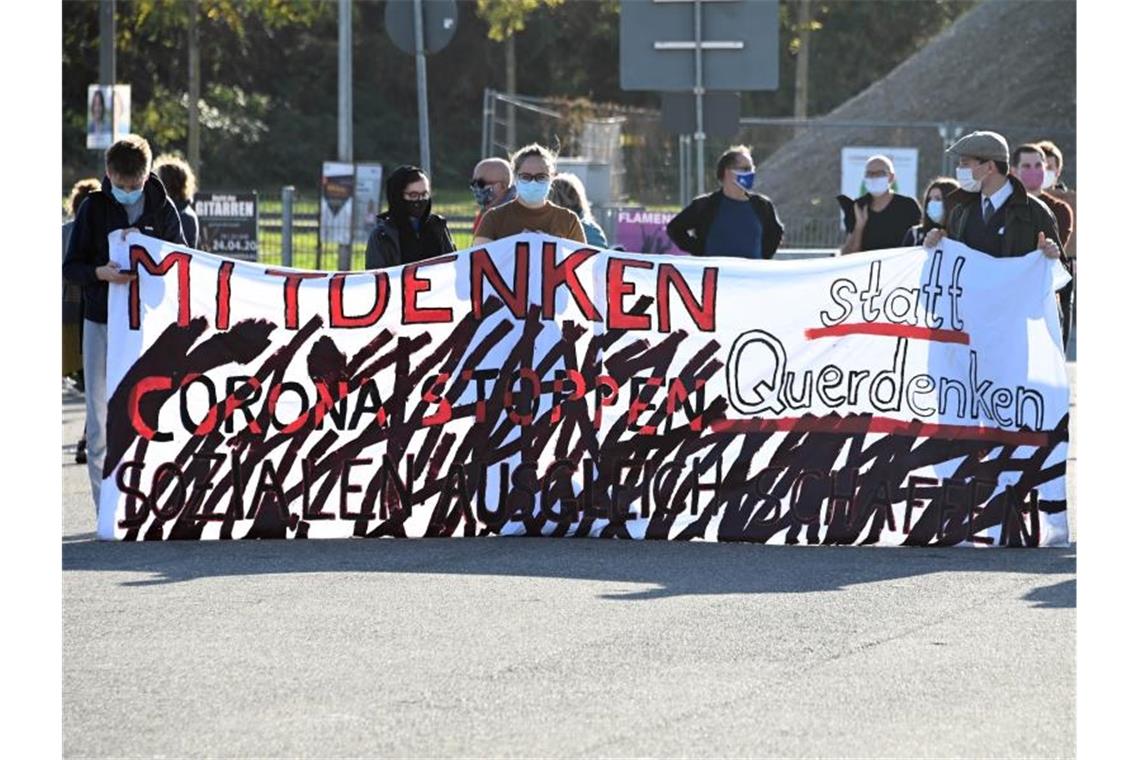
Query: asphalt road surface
point(510, 647)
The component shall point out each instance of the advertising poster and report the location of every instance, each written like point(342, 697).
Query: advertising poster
point(228, 223)
point(367, 199)
point(108, 114)
point(337, 185)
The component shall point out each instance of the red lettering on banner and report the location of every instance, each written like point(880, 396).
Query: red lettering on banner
point(432, 397)
point(525, 373)
point(637, 406)
point(617, 289)
point(292, 283)
point(413, 314)
point(271, 404)
point(703, 314)
point(143, 387)
point(483, 266)
point(233, 404)
point(609, 399)
point(565, 273)
point(181, 259)
point(222, 313)
point(337, 317)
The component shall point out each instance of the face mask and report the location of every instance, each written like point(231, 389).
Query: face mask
point(1032, 179)
point(483, 195)
point(967, 181)
point(416, 209)
point(126, 198)
point(934, 210)
point(877, 185)
point(533, 192)
point(745, 179)
point(1050, 179)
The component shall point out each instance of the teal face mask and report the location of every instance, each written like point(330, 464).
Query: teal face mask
point(126, 198)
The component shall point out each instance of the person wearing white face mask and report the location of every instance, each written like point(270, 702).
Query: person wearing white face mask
point(530, 211)
point(934, 211)
point(992, 212)
point(882, 217)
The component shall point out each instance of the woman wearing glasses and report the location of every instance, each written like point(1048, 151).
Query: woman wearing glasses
point(530, 211)
point(407, 232)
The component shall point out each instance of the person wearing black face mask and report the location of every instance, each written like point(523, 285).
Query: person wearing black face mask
point(407, 232)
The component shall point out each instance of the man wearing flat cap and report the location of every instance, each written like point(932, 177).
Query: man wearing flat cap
point(992, 212)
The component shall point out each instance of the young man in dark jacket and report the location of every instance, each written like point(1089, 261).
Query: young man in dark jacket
point(991, 211)
point(733, 221)
point(131, 197)
point(408, 231)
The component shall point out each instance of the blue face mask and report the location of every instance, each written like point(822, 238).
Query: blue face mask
point(934, 210)
point(533, 191)
point(126, 198)
point(745, 179)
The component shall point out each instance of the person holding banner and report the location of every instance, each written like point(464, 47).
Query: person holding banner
point(530, 211)
point(934, 211)
point(992, 212)
point(181, 184)
point(732, 221)
point(131, 197)
point(881, 218)
point(408, 231)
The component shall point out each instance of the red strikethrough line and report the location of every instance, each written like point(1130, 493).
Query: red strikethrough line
point(896, 331)
point(849, 425)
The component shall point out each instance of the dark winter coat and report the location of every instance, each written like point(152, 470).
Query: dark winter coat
point(1025, 217)
point(689, 229)
point(101, 215)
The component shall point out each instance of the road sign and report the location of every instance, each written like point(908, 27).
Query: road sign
point(739, 42)
point(441, 17)
point(721, 113)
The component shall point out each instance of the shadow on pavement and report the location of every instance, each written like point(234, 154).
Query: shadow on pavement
point(1061, 595)
point(676, 568)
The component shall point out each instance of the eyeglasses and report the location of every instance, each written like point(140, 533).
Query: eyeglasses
point(417, 196)
point(480, 184)
point(533, 177)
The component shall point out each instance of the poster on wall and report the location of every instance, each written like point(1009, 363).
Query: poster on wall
point(337, 185)
point(644, 231)
point(367, 199)
point(108, 114)
point(228, 223)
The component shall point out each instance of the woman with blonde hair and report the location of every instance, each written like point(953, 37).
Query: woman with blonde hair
point(531, 210)
point(567, 190)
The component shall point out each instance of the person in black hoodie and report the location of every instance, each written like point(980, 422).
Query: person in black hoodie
point(131, 197)
point(408, 231)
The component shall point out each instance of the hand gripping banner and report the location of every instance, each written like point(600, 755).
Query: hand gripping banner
point(538, 387)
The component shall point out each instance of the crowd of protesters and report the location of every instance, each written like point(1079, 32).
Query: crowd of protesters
point(1001, 203)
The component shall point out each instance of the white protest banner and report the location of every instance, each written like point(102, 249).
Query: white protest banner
point(536, 386)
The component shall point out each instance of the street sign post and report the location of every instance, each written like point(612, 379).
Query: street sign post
point(418, 28)
point(699, 45)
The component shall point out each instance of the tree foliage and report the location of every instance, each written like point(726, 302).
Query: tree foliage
point(269, 75)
